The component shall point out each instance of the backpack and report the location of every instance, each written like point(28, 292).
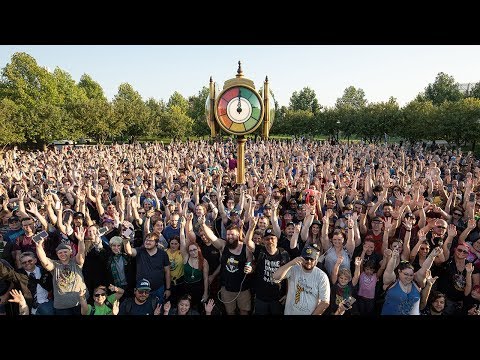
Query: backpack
point(108, 303)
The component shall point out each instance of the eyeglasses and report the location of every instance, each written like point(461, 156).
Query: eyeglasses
point(441, 227)
point(192, 250)
point(142, 212)
point(407, 274)
point(462, 251)
point(457, 214)
point(99, 294)
point(424, 248)
point(27, 262)
point(146, 292)
point(309, 259)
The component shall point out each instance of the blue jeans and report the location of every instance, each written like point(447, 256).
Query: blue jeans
point(159, 294)
point(46, 308)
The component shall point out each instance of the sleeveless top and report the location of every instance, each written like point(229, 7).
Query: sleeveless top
point(231, 270)
point(191, 275)
point(397, 302)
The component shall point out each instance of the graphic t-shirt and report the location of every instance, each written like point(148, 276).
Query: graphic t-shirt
point(305, 290)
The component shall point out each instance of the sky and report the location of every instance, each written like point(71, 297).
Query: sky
point(401, 71)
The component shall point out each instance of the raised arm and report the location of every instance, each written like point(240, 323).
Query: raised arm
point(80, 257)
point(217, 242)
point(421, 274)
point(44, 260)
point(389, 273)
point(281, 272)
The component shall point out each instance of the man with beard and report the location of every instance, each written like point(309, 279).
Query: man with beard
point(235, 284)
point(153, 265)
point(268, 259)
point(308, 286)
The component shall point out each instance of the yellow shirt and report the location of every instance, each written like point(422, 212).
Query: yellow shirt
point(176, 263)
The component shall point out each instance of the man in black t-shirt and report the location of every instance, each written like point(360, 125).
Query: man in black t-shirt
point(268, 259)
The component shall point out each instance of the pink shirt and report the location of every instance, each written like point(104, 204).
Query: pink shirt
point(366, 286)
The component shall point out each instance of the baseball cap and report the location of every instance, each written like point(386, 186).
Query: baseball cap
point(310, 251)
point(290, 223)
point(377, 219)
point(268, 206)
point(269, 232)
point(143, 284)
point(78, 214)
point(63, 247)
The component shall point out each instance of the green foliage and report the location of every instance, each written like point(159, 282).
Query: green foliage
point(177, 123)
point(415, 116)
point(179, 101)
point(352, 98)
point(443, 89)
point(196, 111)
point(475, 91)
point(295, 122)
point(305, 100)
point(92, 89)
point(129, 112)
point(11, 120)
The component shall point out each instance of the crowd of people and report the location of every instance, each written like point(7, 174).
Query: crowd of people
point(317, 228)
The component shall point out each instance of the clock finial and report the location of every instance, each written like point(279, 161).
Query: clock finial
point(266, 78)
point(211, 80)
point(239, 71)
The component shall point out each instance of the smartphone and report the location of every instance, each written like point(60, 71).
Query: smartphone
point(449, 187)
point(205, 198)
point(127, 232)
point(179, 198)
point(57, 205)
point(472, 197)
point(102, 231)
point(349, 302)
point(41, 235)
point(191, 178)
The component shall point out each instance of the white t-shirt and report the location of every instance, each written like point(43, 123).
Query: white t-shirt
point(305, 290)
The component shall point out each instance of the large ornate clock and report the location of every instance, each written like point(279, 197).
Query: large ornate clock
point(239, 110)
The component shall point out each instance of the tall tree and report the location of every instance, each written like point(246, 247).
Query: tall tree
point(178, 100)
point(196, 111)
point(352, 97)
point(130, 112)
point(475, 91)
point(92, 89)
point(10, 123)
point(305, 100)
point(36, 93)
point(443, 89)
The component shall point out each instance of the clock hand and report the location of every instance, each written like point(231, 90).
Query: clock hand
point(239, 105)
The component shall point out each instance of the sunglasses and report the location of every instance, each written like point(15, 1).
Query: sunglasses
point(309, 259)
point(191, 250)
point(462, 251)
point(27, 262)
point(143, 291)
point(441, 227)
point(424, 249)
point(457, 214)
point(99, 294)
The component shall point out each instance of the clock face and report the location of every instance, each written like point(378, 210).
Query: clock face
point(239, 110)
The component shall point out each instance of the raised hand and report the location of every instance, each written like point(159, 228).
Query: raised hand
point(452, 230)
point(209, 306)
point(358, 261)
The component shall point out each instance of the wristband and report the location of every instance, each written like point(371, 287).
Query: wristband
point(167, 289)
